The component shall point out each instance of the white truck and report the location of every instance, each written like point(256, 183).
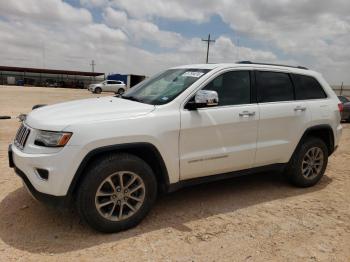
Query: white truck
point(189, 124)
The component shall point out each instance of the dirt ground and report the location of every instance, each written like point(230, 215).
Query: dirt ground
point(252, 218)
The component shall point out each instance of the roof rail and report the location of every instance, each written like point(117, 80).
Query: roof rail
point(249, 62)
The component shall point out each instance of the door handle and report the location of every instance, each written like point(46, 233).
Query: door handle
point(246, 113)
point(300, 108)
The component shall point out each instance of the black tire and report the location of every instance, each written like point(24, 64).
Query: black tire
point(294, 168)
point(98, 90)
point(97, 173)
point(120, 91)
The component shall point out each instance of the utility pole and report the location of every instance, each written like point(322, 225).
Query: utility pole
point(44, 55)
point(341, 88)
point(238, 49)
point(93, 65)
point(208, 42)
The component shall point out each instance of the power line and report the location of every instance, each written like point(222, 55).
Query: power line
point(208, 42)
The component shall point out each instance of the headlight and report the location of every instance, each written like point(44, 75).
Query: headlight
point(52, 139)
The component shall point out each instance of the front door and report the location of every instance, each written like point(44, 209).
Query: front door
point(223, 138)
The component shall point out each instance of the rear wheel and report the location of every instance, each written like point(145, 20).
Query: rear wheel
point(308, 163)
point(98, 90)
point(120, 91)
point(117, 193)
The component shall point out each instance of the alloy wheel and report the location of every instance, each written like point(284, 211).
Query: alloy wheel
point(312, 163)
point(120, 195)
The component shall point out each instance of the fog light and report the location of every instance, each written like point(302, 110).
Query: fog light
point(43, 173)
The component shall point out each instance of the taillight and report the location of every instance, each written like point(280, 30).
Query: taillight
point(341, 107)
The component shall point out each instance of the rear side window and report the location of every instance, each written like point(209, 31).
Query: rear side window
point(307, 87)
point(233, 88)
point(274, 87)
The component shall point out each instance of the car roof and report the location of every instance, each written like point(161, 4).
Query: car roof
point(298, 70)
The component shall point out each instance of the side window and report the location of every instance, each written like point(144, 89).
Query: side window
point(274, 86)
point(232, 87)
point(307, 87)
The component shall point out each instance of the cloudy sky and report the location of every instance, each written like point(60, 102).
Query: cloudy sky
point(143, 37)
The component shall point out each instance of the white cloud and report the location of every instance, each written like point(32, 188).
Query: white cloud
point(48, 11)
point(94, 3)
point(178, 10)
point(66, 40)
point(315, 32)
point(310, 32)
point(141, 30)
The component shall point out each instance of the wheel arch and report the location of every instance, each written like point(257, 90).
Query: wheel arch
point(146, 151)
point(323, 132)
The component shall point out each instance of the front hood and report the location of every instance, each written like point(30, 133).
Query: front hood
point(57, 117)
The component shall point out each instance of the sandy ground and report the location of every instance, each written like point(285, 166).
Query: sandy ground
point(253, 218)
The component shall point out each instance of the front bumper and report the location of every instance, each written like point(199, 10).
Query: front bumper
point(61, 171)
point(10, 156)
point(56, 201)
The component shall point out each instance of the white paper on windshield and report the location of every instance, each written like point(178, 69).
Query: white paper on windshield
point(192, 74)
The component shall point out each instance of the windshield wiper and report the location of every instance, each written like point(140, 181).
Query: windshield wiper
point(132, 98)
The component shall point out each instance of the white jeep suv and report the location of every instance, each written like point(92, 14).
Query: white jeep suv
point(186, 125)
point(115, 86)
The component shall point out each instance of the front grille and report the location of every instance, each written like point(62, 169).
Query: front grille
point(22, 136)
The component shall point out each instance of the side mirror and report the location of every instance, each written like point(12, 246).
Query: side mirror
point(203, 98)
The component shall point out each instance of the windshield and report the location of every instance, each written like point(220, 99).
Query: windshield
point(164, 87)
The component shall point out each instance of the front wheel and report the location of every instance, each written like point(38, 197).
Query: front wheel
point(98, 90)
point(117, 193)
point(308, 163)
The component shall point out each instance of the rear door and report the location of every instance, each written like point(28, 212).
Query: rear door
point(120, 84)
point(309, 90)
point(220, 139)
point(282, 118)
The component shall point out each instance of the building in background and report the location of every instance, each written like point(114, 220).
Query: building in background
point(129, 80)
point(48, 77)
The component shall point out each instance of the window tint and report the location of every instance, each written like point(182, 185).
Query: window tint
point(274, 86)
point(111, 82)
point(307, 87)
point(232, 87)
